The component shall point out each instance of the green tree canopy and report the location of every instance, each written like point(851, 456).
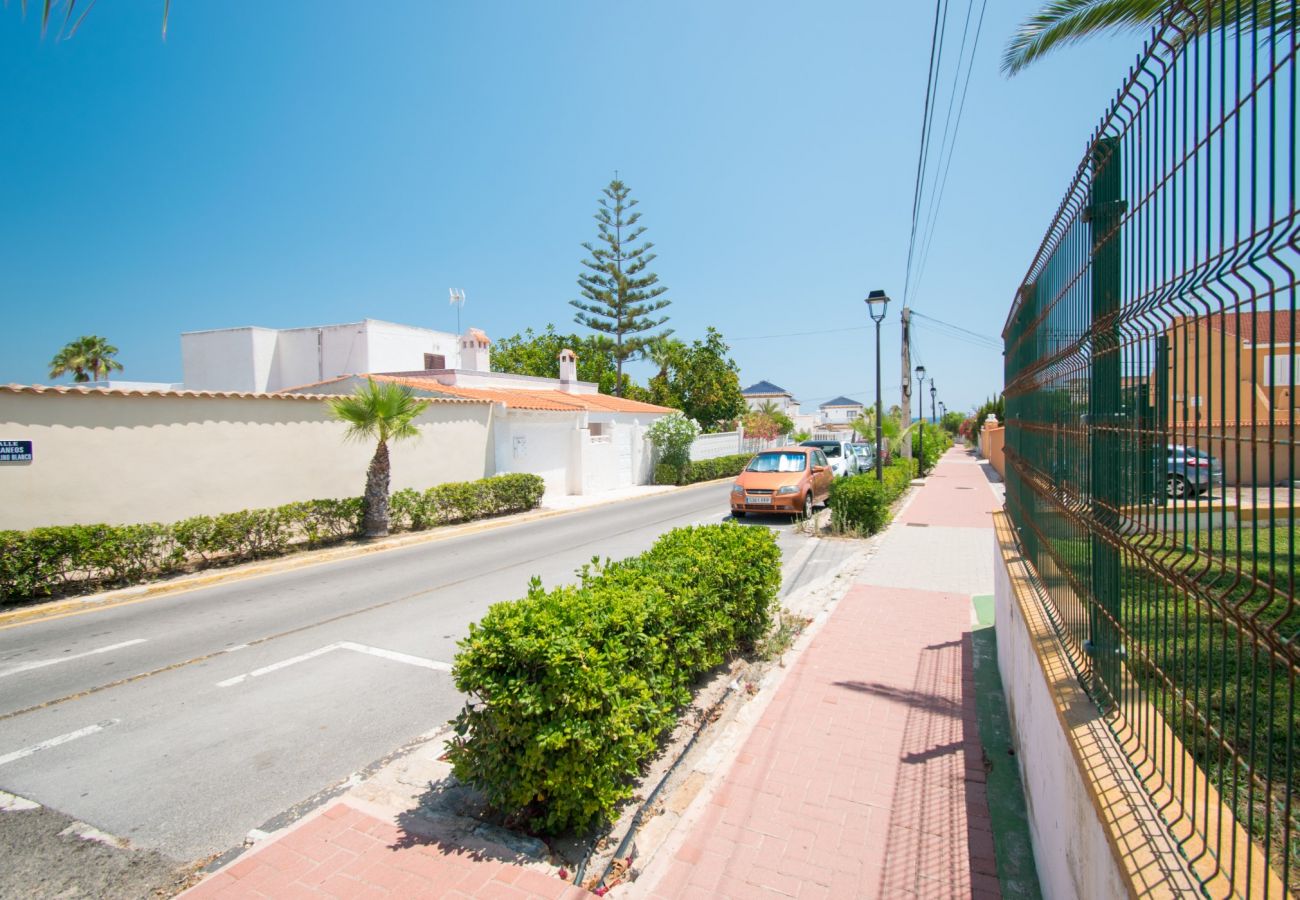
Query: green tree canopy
point(703, 382)
point(531, 353)
point(620, 294)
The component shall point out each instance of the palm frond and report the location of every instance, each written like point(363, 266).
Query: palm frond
point(1062, 22)
point(383, 411)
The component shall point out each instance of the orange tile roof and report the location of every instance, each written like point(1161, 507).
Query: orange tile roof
point(147, 392)
point(548, 399)
point(520, 398)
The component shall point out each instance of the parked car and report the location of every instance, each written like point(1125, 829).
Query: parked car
point(1191, 471)
point(791, 480)
point(842, 458)
point(866, 456)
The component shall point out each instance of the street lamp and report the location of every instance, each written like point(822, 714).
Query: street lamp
point(933, 392)
point(877, 303)
point(920, 407)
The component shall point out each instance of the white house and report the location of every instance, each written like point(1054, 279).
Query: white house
point(840, 411)
point(579, 440)
point(269, 360)
point(766, 392)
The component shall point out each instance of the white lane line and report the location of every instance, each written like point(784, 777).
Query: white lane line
point(56, 741)
point(398, 657)
point(274, 667)
point(393, 655)
point(42, 663)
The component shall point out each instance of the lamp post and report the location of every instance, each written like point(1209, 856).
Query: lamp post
point(943, 412)
point(933, 392)
point(920, 407)
point(877, 303)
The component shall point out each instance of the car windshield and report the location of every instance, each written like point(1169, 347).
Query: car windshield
point(830, 449)
point(778, 462)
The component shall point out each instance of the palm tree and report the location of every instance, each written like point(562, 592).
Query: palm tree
point(99, 355)
point(662, 351)
point(70, 359)
point(382, 412)
point(1061, 22)
point(48, 7)
point(85, 358)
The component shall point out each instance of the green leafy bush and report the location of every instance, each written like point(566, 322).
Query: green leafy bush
point(860, 503)
point(572, 687)
point(695, 471)
point(67, 558)
point(672, 437)
point(937, 443)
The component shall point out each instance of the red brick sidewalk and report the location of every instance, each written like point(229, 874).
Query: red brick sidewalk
point(345, 853)
point(865, 776)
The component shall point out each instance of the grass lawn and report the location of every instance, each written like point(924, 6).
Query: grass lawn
point(1228, 645)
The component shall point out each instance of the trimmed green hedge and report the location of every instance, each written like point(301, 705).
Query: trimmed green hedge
point(861, 503)
point(703, 469)
point(69, 558)
point(937, 443)
point(573, 687)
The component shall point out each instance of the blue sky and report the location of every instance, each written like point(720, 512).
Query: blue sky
point(301, 163)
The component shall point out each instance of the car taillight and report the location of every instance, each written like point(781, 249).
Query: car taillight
point(1199, 463)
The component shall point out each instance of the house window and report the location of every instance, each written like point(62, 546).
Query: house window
point(435, 361)
point(597, 429)
point(1279, 371)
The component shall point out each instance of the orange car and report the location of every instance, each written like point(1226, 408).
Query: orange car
point(789, 480)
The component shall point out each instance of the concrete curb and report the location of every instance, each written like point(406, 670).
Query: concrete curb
point(74, 606)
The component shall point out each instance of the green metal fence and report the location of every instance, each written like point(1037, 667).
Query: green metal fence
point(1151, 433)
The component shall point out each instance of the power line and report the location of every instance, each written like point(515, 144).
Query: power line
point(988, 339)
point(936, 43)
point(947, 166)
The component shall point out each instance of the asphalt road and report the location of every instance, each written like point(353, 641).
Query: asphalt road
point(182, 722)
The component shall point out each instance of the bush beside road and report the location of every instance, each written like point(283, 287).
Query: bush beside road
point(573, 687)
point(69, 559)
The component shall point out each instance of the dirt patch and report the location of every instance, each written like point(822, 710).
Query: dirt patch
point(45, 855)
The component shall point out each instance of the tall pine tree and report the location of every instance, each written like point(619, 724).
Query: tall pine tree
point(621, 296)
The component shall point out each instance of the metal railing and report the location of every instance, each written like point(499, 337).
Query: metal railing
point(1151, 434)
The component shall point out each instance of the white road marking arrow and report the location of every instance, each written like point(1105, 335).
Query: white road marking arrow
point(393, 655)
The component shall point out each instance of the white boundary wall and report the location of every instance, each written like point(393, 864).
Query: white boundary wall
point(1071, 851)
point(128, 458)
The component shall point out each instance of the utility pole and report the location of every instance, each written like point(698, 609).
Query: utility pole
point(906, 381)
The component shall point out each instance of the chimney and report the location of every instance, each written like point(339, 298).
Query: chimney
point(475, 352)
point(568, 367)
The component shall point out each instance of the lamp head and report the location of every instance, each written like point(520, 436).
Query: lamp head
point(877, 303)
point(933, 390)
point(920, 372)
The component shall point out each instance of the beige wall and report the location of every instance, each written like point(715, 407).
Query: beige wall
point(124, 459)
point(992, 442)
point(1216, 377)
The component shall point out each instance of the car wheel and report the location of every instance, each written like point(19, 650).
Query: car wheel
point(808, 504)
point(1177, 486)
point(738, 514)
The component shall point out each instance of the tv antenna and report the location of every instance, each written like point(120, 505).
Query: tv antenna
point(457, 300)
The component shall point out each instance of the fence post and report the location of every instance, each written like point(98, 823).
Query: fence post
point(1104, 411)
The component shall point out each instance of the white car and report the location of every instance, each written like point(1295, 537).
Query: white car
point(844, 462)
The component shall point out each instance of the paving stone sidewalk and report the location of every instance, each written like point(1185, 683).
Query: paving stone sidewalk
point(346, 852)
point(865, 776)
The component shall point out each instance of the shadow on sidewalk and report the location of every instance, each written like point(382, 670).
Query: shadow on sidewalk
point(447, 819)
point(939, 822)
